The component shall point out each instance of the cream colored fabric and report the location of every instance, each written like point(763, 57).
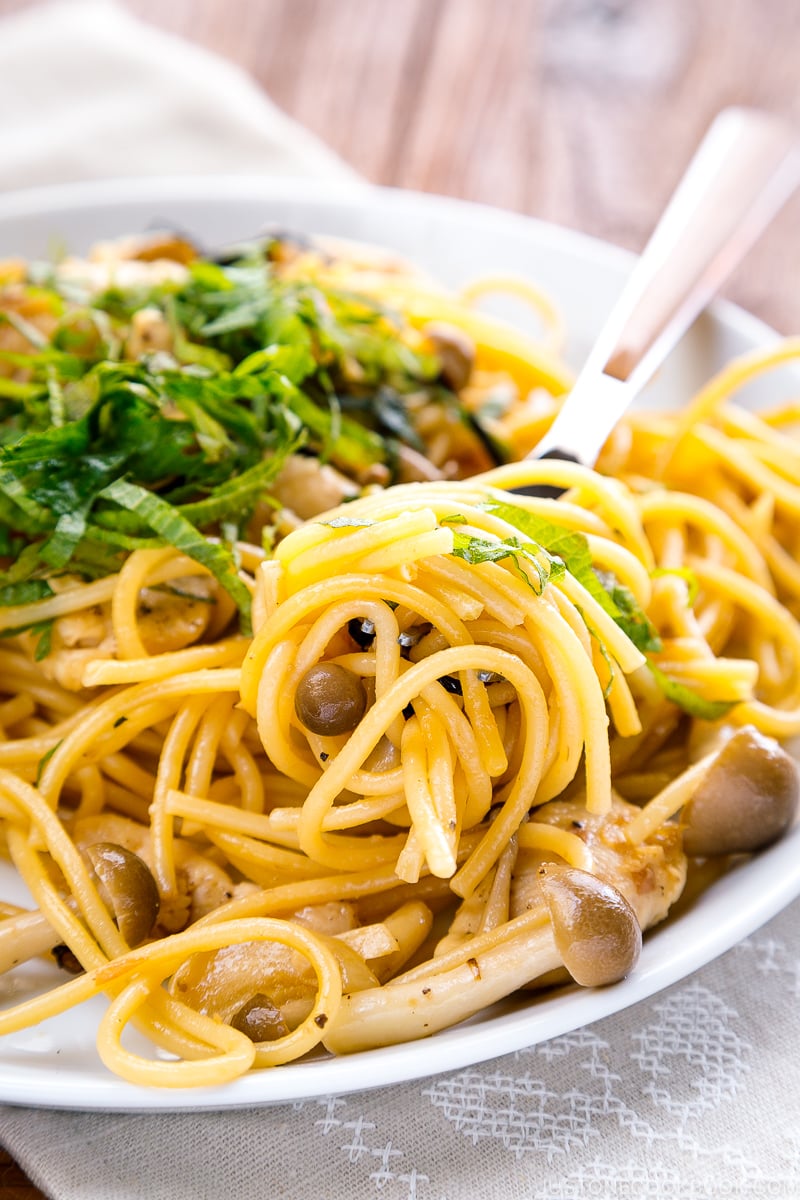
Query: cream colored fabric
point(87, 92)
point(691, 1094)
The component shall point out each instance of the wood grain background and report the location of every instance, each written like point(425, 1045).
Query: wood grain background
point(578, 111)
point(582, 112)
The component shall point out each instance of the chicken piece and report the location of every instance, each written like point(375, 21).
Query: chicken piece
point(87, 628)
point(651, 877)
point(34, 311)
point(149, 332)
point(124, 274)
point(338, 916)
point(155, 246)
point(219, 982)
point(308, 487)
point(170, 618)
point(109, 827)
point(12, 270)
point(76, 640)
point(177, 616)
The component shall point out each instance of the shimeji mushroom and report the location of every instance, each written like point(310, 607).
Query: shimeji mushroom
point(595, 929)
point(260, 1019)
point(746, 800)
point(126, 887)
point(330, 700)
point(455, 351)
point(589, 923)
point(735, 800)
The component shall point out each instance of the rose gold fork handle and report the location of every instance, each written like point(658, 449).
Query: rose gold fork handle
point(744, 170)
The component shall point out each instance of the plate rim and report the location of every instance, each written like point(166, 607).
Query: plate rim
point(166, 188)
point(768, 875)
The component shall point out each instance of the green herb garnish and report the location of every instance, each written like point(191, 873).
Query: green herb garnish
point(687, 699)
point(101, 456)
point(614, 598)
point(533, 564)
point(572, 549)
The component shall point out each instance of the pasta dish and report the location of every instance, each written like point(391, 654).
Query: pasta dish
point(317, 733)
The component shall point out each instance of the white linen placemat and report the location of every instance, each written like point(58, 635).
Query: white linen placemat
point(691, 1094)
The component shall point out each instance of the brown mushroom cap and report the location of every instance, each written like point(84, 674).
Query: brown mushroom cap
point(455, 351)
point(127, 889)
point(747, 799)
point(150, 247)
point(596, 931)
point(330, 700)
point(260, 1020)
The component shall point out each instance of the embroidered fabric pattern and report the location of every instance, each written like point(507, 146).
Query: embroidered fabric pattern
point(686, 1095)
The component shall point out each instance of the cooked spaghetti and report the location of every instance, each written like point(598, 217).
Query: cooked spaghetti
point(274, 783)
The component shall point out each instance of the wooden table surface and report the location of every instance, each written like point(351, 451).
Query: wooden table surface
point(582, 112)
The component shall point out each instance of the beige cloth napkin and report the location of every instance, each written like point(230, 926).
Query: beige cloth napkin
point(690, 1094)
point(89, 92)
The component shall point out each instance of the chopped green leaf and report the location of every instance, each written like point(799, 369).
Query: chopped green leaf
point(573, 549)
point(27, 592)
point(480, 550)
point(688, 700)
point(629, 615)
point(685, 573)
point(17, 390)
point(101, 456)
point(237, 497)
point(44, 644)
point(176, 531)
point(45, 759)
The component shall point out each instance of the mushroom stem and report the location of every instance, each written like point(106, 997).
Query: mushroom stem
point(669, 800)
point(23, 937)
point(427, 1003)
point(583, 923)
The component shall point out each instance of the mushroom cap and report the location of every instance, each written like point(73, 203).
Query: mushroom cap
point(127, 888)
point(330, 699)
point(455, 350)
point(746, 800)
point(596, 931)
point(260, 1019)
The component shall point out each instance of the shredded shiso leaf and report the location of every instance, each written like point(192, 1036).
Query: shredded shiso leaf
point(100, 456)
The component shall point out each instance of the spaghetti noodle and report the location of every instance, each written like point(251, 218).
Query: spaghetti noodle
point(456, 707)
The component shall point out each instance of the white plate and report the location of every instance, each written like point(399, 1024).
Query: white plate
point(56, 1065)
